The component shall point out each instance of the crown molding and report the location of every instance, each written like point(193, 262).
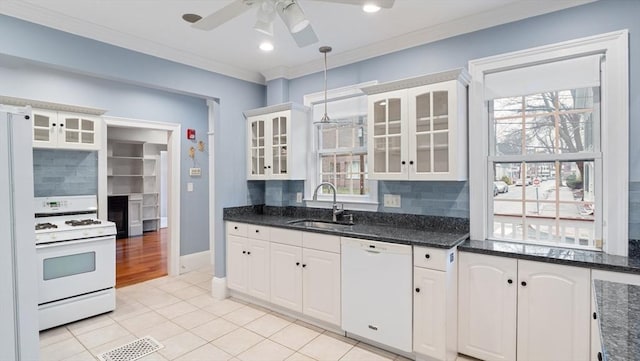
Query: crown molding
point(275, 108)
point(40, 104)
point(459, 74)
point(503, 15)
point(32, 13)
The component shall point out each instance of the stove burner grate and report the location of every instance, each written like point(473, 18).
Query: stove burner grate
point(41, 226)
point(82, 222)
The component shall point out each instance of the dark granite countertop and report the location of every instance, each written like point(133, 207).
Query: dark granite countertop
point(440, 232)
point(571, 257)
point(619, 319)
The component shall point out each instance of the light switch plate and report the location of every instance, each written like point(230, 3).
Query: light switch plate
point(189, 187)
point(392, 201)
point(299, 197)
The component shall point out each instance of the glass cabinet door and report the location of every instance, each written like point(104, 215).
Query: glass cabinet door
point(431, 140)
point(257, 148)
point(387, 135)
point(44, 128)
point(79, 130)
point(279, 145)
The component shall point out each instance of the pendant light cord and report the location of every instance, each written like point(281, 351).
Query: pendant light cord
point(325, 50)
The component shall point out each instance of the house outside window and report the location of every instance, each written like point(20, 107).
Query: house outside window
point(553, 121)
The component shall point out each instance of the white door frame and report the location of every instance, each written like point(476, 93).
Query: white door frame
point(173, 179)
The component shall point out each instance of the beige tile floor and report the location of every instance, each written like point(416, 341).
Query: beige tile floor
point(181, 314)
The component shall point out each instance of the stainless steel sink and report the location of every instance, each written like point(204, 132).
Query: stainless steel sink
point(318, 224)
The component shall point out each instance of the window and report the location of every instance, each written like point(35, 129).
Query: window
point(553, 121)
point(555, 137)
point(342, 155)
point(340, 149)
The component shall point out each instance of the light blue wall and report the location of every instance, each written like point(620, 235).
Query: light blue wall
point(277, 91)
point(44, 64)
point(586, 20)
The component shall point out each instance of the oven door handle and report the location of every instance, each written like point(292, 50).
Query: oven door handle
point(74, 242)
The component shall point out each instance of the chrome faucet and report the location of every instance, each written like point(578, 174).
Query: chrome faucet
point(336, 210)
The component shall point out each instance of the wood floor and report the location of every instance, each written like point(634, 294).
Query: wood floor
point(142, 258)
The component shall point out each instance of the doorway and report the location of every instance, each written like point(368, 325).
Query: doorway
point(135, 170)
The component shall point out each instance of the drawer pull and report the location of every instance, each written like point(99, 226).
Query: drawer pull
point(418, 290)
point(373, 327)
point(523, 283)
point(236, 227)
point(427, 256)
point(297, 263)
point(257, 231)
point(244, 252)
point(509, 281)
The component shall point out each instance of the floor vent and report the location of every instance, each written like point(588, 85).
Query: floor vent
point(132, 351)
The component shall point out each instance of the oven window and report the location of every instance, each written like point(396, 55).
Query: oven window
point(70, 265)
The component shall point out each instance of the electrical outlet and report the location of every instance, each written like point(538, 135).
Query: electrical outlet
point(392, 200)
point(189, 187)
point(299, 197)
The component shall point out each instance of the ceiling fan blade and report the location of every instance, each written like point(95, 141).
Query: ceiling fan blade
point(223, 15)
point(386, 4)
point(305, 37)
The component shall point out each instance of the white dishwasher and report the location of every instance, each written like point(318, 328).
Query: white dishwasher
point(377, 291)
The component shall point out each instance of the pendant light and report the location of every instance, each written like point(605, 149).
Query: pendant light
point(325, 118)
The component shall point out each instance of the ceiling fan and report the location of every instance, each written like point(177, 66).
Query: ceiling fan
point(288, 10)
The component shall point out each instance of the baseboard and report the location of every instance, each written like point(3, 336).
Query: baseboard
point(194, 261)
point(219, 288)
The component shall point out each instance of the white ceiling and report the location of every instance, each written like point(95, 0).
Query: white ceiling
point(155, 27)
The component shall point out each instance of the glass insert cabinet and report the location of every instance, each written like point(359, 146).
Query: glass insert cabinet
point(277, 138)
point(53, 129)
point(418, 127)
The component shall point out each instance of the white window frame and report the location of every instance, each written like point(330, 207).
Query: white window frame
point(614, 135)
point(352, 202)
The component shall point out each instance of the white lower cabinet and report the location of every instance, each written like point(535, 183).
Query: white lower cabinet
point(321, 285)
point(541, 310)
point(434, 303)
point(296, 270)
point(135, 215)
point(248, 266)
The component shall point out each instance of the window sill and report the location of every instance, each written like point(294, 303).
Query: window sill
point(351, 205)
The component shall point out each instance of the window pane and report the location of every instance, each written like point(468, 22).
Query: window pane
point(440, 103)
point(328, 134)
point(540, 135)
point(346, 137)
point(549, 202)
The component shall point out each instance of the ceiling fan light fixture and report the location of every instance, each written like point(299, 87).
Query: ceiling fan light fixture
point(292, 15)
point(265, 17)
point(266, 46)
point(264, 27)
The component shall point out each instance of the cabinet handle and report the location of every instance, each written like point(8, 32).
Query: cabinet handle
point(509, 281)
point(523, 283)
point(595, 317)
point(244, 252)
point(269, 166)
point(599, 356)
point(297, 263)
point(257, 231)
point(62, 124)
point(248, 252)
point(53, 124)
point(304, 265)
point(236, 227)
point(418, 290)
point(411, 162)
point(403, 162)
point(427, 256)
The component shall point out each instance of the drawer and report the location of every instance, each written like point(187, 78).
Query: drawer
point(321, 242)
point(286, 236)
point(433, 258)
point(237, 229)
point(258, 232)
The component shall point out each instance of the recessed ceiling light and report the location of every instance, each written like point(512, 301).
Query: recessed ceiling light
point(266, 46)
point(370, 8)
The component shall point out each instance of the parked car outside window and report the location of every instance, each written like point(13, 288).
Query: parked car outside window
point(502, 186)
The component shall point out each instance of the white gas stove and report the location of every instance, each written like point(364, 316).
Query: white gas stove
point(76, 254)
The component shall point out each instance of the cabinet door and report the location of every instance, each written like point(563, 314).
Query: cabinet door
point(553, 312)
point(321, 285)
point(78, 131)
point(45, 129)
point(278, 167)
point(431, 112)
point(487, 294)
point(286, 276)
point(237, 263)
point(429, 312)
point(135, 217)
point(258, 269)
point(387, 131)
point(257, 148)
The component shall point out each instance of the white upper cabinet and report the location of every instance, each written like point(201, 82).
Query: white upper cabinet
point(53, 129)
point(418, 128)
point(277, 142)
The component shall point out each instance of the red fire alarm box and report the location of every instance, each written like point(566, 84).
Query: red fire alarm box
point(191, 134)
